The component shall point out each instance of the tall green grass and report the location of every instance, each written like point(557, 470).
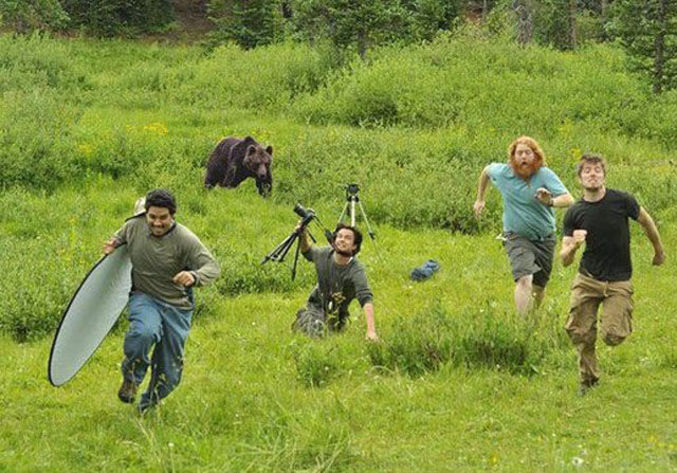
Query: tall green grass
point(475, 339)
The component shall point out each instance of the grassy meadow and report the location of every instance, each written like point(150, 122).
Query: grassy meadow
point(458, 383)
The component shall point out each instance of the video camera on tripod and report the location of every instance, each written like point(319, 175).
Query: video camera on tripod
point(351, 189)
point(353, 199)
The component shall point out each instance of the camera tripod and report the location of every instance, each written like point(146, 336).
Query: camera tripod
point(352, 199)
point(280, 251)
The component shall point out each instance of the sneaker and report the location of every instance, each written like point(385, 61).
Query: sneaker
point(127, 391)
point(586, 386)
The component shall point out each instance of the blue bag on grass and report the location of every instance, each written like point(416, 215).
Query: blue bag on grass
point(425, 271)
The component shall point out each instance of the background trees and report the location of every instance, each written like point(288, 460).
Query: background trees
point(249, 23)
point(645, 28)
point(118, 17)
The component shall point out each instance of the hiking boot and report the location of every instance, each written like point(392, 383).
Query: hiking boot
point(145, 408)
point(586, 386)
point(127, 391)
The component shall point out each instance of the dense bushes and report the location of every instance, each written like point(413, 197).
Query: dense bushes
point(97, 17)
point(477, 84)
point(413, 127)
point(29, 15)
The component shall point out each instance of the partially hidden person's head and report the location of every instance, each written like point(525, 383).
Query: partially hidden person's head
point(347, 240)
point(160, 209)
point(591, 171)
point(525, 156)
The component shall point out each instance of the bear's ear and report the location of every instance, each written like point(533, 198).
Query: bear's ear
point(269, 150)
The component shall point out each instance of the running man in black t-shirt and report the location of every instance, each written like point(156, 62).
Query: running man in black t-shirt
point(600, 220)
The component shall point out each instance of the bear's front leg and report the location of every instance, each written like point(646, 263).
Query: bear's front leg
point(265, 185)
point(233, 177)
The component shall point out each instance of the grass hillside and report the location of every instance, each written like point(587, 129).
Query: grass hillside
point(458, 383)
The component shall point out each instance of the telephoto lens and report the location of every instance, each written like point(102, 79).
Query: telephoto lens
point(303, 212)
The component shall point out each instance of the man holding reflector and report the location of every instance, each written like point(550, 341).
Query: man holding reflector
point(168, 260)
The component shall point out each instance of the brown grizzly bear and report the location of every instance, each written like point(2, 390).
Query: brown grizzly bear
point(234, 160)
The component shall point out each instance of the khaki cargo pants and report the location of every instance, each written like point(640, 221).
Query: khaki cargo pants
point(615, 321)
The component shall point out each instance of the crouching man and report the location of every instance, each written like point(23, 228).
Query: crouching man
point(340, 279)
point(168, 260)
point(600, 220)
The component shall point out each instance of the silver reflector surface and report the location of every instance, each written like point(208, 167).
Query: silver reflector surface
point(90, 315)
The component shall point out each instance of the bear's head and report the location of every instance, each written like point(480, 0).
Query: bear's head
point(258, 160)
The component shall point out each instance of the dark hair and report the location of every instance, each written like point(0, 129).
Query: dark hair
point(590, 158)
point(357, 236)
point(161, 198)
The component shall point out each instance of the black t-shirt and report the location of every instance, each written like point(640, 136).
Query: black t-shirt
point(607, 244)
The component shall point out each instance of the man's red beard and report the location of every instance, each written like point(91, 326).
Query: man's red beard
point(528, 171)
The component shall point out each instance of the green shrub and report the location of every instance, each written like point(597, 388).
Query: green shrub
point(424, 342)
point(317, 361)
point(412, 126)
point(35, 146)
point(39, 289)
point(263, 79)
point(29, 15)
point(36, 61)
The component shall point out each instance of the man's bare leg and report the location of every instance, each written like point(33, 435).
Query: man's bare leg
point(539, 294)
point(523, 294)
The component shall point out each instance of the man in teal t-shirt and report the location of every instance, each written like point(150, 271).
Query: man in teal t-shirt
point(530, 191)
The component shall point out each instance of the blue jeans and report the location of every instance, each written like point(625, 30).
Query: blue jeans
point(153, 322)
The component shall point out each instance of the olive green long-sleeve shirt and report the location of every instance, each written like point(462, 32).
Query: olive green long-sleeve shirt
point(156, 260)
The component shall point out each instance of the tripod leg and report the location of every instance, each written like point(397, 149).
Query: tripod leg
point(352, 212)
point(296, 260)
point(343, 213)
point(279, 252)
point(372, 235)
point(286, 249)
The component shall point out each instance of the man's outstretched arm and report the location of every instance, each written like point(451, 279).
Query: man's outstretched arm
point(371, 327)
point(651, 231)
point(482, 184)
